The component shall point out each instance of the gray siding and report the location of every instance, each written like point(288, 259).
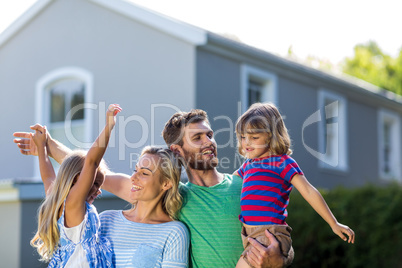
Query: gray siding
point(132, 64)
point(295, 113)
point(363, 144)
point(362, 138)
point(28, 255)
point(218, 93)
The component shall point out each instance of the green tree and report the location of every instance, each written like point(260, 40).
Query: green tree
point(371, 64)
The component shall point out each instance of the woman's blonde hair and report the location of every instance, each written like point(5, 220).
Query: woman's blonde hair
point(47, 236)
point(170, 170)
point(264, 118)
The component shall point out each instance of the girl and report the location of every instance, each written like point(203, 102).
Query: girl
point(268, 175)
point(68, 223)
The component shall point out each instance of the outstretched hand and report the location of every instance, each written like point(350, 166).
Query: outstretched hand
point(25, 140)
point(342, 230)
point(265, 257)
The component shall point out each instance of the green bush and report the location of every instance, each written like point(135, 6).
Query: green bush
point(373, 212)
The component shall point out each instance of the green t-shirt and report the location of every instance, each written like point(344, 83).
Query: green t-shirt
point(211, 215)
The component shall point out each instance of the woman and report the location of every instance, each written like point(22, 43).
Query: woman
point(146, 235)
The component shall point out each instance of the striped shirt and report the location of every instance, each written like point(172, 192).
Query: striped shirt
point(266, 189)
point(145, 245)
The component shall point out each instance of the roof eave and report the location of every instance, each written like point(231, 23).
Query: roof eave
point(186, 32)
point(343, 80)
point(183, 31)
point(21, 21)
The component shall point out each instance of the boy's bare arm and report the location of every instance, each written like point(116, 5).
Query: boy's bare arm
point(317, 202)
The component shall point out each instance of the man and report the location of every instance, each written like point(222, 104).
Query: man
point(211, 200)
point(211, 204)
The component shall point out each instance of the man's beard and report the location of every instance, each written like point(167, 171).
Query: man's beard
point(195, 161)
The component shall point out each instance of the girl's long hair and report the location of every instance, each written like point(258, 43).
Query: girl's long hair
point(170, 170)
point(264, 118)
point(47, 237)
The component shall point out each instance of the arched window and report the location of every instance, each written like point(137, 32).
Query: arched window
point(61, 98)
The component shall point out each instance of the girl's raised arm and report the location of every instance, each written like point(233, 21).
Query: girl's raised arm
point(75, 203)
point(45, 166)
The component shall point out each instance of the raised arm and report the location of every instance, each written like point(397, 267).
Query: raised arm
point(75, 203)
point(317, 202)
point(45, 166)
point(115, 183)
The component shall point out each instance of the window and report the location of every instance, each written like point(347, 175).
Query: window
point(257, 86)
point(389, 145)
point(332, 140)
point(62, 97)
point(254, 92)
point(64, 100)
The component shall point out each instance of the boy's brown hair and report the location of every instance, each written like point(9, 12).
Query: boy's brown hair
point(264, 118)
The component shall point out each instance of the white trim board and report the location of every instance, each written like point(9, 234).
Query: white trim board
point(21, 21)
point(181, 30)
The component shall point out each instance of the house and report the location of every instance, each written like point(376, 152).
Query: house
point(64, 61)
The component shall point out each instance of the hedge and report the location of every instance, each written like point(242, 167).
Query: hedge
point(373, 212)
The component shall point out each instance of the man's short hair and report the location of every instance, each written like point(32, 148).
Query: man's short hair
point(174, 128)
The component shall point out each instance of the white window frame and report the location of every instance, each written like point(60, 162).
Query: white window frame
point(41, 109)
point(395, 155)
point(339, 159)
point(267, 79)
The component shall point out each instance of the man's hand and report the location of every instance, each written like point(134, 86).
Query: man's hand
point(265, 257)
point(25, 141)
